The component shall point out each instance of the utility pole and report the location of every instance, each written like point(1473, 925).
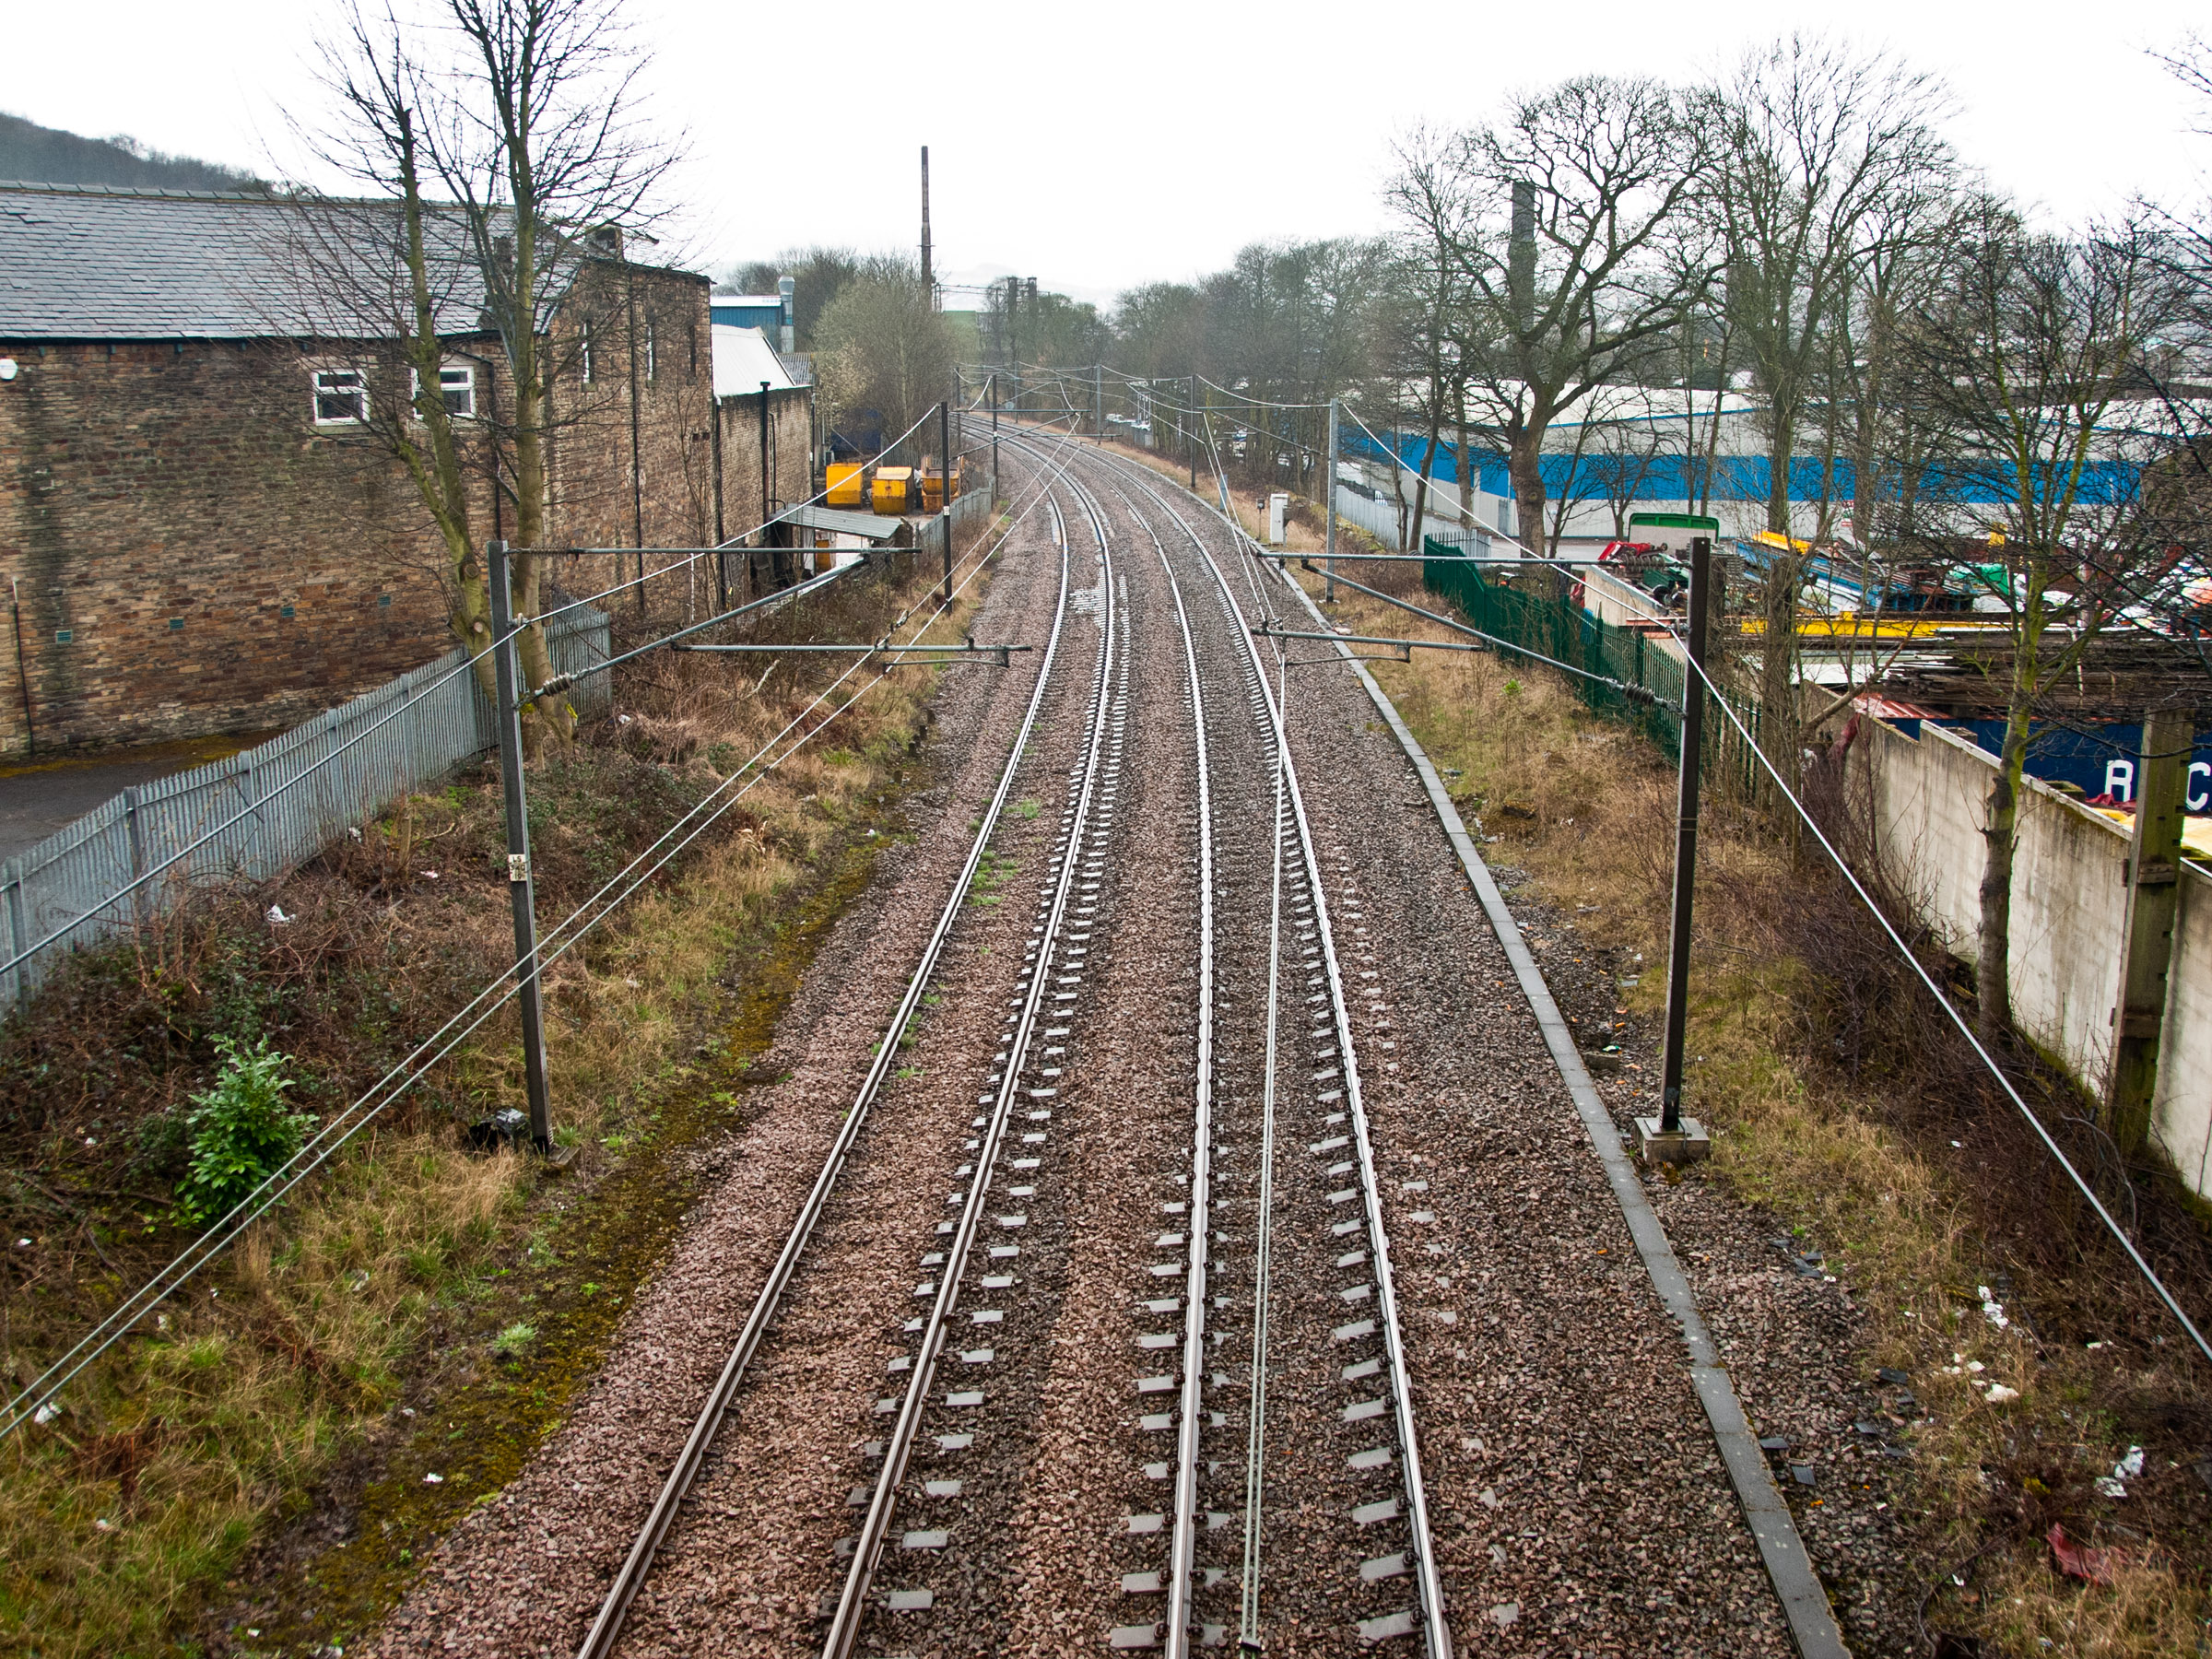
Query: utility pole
point(1097, 401)
point(1328, 498)
point(521, 890)
point(994, 438)
point(944, 488)
point(1670, 1137)
point(928, 287)
point(2153, 906)
point(1189, 444)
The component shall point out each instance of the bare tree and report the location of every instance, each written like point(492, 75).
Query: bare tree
point(502, 150)
point(882, 347)
point(2030, 363)
point(1558, 223)
point(1817, 142)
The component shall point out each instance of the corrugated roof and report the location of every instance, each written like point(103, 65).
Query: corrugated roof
point(868, 525)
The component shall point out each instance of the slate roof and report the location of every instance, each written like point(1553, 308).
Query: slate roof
point(102, 262)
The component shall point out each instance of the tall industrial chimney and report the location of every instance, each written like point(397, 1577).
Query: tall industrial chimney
point(926, 282)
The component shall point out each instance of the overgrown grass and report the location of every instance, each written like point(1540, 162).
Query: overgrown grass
point(1836, 1100)
point(123, 1520)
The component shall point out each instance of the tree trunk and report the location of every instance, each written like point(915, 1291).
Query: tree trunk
point(1524, 465)
point(1779, 737)
point(1420, 491)
point(1469, 474)
point(1992, 977)
point(1784, 439)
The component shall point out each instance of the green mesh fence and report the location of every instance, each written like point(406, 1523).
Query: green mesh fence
point(1547, 626)
point(1539, 626)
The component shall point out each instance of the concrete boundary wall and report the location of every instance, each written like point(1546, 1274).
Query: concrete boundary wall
point(1929, 800)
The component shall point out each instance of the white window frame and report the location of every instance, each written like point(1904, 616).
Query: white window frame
point(585, 335)
point(322, 383)
point(652, 356)
point(464, 367)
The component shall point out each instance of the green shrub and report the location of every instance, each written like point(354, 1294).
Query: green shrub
point(238, 1131)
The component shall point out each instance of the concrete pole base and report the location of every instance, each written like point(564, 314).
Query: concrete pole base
point(1687, 1145)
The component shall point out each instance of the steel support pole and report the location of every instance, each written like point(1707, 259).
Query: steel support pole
point(1685, 842)
point(521, 890)
point(763, 539)
point(995, 495)
point(1328, 499)
point(1190, 444)
point(1097, 401)
point(30, 732)
point(722, 560)
point(944, 488)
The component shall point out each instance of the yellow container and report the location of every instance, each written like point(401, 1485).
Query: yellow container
point(893, 490)
point(847, 484)
point(933, 487)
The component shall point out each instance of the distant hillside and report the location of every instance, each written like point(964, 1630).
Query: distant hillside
point(46, 155)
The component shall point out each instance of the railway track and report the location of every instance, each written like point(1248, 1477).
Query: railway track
point(601, 1638)
point(1011, 1155)
point(1091, 1331)
point(972, 1360)
point(1326, 1115)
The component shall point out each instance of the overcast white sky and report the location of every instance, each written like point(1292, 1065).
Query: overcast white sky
point(1103, 146)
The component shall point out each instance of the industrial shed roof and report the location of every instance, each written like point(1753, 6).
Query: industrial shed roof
point(743, 359)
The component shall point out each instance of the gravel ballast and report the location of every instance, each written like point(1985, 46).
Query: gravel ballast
point(1577, 1500)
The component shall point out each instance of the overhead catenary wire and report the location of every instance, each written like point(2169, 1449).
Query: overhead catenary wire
point(39, 1393)
point(734, 544)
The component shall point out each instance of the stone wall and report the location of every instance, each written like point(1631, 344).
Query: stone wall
point(190, 553)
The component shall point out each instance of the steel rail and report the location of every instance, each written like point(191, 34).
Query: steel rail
point(1182, 1552)
point(1261, 1263)
point(1255, 1450)
point(851, 1606)
point(600, 1639)
point(1437, 1631)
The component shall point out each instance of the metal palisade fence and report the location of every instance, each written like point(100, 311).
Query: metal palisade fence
point(291, 796)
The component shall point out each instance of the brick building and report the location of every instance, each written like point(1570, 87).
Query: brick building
point(197, 530)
